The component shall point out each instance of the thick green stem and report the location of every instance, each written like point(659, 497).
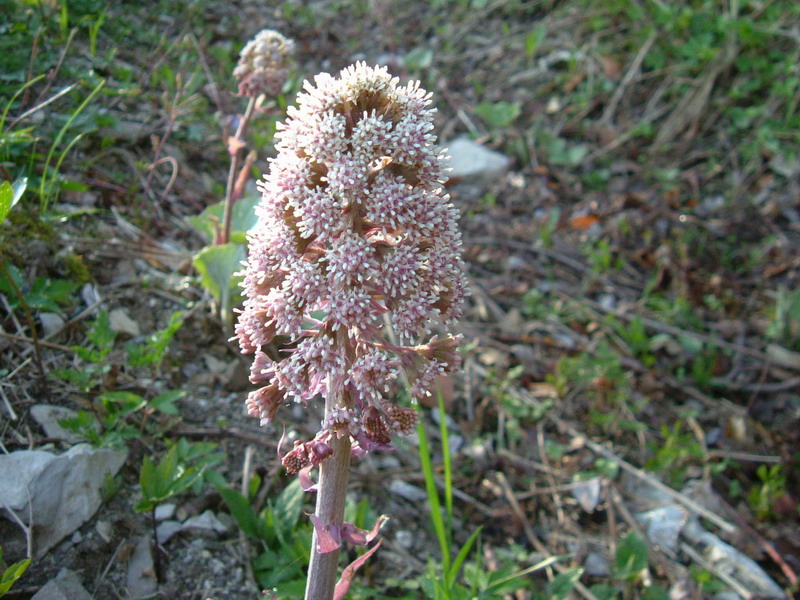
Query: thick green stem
point(331, 494)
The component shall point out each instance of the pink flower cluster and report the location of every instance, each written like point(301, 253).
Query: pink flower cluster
point(264, 64)
point(355, 235)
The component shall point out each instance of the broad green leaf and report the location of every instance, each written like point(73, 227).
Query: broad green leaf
point(122, 403)
point(166, 472)
point(244, 218)
point(166, 402)
point(289, 504)
point(498, 115)
point(241, 510)
point(631, 557)
point(561, 586)
point(217, 265)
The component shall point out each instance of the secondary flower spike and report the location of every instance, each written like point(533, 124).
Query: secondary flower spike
point(264, 64)
point(353, 227)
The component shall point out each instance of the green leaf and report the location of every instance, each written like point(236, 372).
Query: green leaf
point(6, 198)
point(534, 39)
point(152, 351)
point(147, 481)
point(241, 510)
point(419, 58)
point(288, 506)
point(631, 557)
point(166, 402)
point(243, 220)
point(217, 265)
point(462, 555)
point(561, 586)
point(166, 472)
point(12, 574)
point(100, 333)
point(499, 115)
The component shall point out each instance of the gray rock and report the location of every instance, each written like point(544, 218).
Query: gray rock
point(105, 530)
point(405, 490)
point(587, 493)
point(120, 322)
point(142, 581)
point(66, 586)
point(664, 524)
point(165, 511)
point(596, 565)
point(207, 521)
point(48, 416)
point(166, 530)
point(51, 323)
point(61, 492)
point(470, 161)
point(729, 560)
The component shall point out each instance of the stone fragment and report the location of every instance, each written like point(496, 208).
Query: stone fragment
point(165, 511)
point(587, 493)
point(66, 586)
point(61, 492)
point(48, 417)
point(596, 565)
point(142, 581)
point(51, 323)
point(120, 322)
point(664, 524)
point(207, 521)
point(166, 530)
point(405, 490)
point(470, 161)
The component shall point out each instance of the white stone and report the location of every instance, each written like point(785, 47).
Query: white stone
point(207, 520)
point(61, 492)
point(405, 490)
point(470, 161)
point(120, 322)
point(66, 586)
point(167, 529)
point(142, 582)
point(51, 323)
point(165, 511)
point(48, 416)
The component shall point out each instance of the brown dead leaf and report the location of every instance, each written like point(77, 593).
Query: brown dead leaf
point(611, 67)
point(583, 222)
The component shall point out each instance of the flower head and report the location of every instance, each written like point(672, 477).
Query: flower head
point(353, 227)
point(263, 64)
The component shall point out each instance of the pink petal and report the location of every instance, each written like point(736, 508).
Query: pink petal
point(343, 584)
point(328, 537)
point(362, 537)
point(306, 482)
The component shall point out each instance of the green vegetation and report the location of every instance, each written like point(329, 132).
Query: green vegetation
point(635, 277)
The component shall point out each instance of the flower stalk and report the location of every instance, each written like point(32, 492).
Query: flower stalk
point(354, 231)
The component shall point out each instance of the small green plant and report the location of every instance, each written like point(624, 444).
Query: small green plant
point(181, 468)
point(763, 495)
point(674, 453)
point(442, 582)
point(44, 293)
point(784, 326)
point(285, 540)
point(12, 573)
point(111, 422)
point(629, 573)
